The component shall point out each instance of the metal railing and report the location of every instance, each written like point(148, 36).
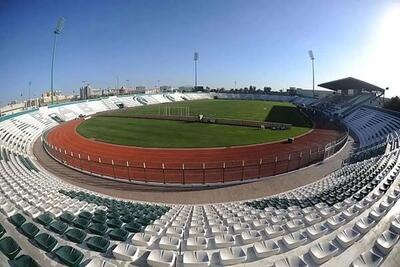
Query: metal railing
point(192, 172)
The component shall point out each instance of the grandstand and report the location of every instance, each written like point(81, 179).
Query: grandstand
point(348, 217)
point(352, 94)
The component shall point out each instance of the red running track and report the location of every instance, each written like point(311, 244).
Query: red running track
point(186, 166)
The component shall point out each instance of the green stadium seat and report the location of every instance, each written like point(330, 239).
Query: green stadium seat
point(75, 235)
point(69, 255)
point(45, 219)
point(85, 215)
point(9, 247)
point(118, 212)
point(144, 221)
point(45, 241)
point(99, 218)
point(17, 219)
point(29, 229)
point(58, 227)
point(81, 223)
point(113, 215)
point(67, 217)
point(127, 218)
point(133, 227)
point(118, 234)
point(2, 230)
point(98, 228)
point(151, 216)
point(124, 212)
point(23, 261)
point(114, 223)
point(100, 212)
point(98, 243)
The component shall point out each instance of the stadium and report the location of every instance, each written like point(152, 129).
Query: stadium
point(167, 176)
point(327, 197)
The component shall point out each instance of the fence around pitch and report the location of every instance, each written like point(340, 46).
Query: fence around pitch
point(193, 173)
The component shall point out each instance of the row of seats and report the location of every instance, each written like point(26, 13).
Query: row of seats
point(371, 126)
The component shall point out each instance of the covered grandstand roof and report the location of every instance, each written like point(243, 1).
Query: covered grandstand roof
point(351, 83)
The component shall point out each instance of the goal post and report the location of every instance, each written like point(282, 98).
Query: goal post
point(181, 111)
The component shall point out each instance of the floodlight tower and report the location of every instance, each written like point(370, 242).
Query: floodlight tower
point(57, 31)
point(195, 59)
point(29, 92)
point(311, 54)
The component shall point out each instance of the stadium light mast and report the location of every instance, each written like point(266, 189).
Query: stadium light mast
point(57, 31)
point(311, 54)
point(29, 92)
point(195, 59)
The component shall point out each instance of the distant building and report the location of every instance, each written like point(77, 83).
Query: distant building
point(123, 90)
point(309, 92)
point(85, 92)
point(57, 97)
point(152, 91)
point(186, 88)
point(140, 89)
point(166, 88)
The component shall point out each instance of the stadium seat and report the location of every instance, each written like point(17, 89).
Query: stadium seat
point(347, 237)
point(143, 239)
point(266, 248)
point(118, 234)
point(196, 259)
point(17, 219)
point(29, 229)
point(69, 255)
point(127, 252)
point(58, 227)
point(97, 228)
point(232, 255)
point(367, 259)
point(291, 262)
point(322, 252)
point(224, 240)
point(169, 243)
point(97, 262)
point(75, 235)
point(9, 247)
point(45, 241)
point(23, 261)
point(294, 240)
point(97, 243)
point(161, 258)
point(386, 242)
point(196, 243)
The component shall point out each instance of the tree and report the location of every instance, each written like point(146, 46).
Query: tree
point(267, 89)
point(393, 104)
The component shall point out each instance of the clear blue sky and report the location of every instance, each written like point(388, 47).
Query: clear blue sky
point(259, 42)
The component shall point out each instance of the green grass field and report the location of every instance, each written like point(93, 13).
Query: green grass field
point(175, 134)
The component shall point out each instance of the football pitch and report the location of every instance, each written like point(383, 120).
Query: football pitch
point(179, 134)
